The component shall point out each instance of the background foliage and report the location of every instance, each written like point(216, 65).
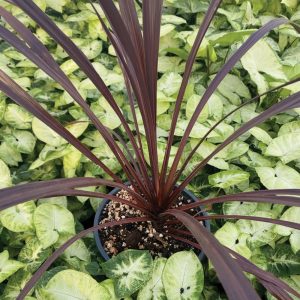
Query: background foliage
point(266, 157)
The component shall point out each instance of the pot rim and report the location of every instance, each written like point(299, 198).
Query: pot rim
point(98, 218)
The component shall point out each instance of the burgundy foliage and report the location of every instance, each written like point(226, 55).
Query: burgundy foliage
point(155, 189)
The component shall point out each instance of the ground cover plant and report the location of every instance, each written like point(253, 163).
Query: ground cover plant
point(202, 130)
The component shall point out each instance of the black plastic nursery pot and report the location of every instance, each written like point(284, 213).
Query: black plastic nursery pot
point(99, 217)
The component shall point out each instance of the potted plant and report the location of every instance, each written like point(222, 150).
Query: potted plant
point(156, 195)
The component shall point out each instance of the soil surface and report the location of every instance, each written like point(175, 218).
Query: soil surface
point(142, 235)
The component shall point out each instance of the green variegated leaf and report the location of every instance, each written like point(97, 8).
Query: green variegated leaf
point(290, 3)
point(190, 108)
point(282, 261)
point(108, 284)
point(292, 215)
point(234, 150)
point(77, 255)
point(15, 284)
point(71, 161)
point(9, 154)
point(50, 137)
point(226, 179)
point(205, 49)
point(205, 149)
point(233, 89)
point(295, 241)
point(73, 285)
point(261, 59)
point(8, 266)
point(19, 218)
point(259, 233)
point(154, 289)
point(291, 127)
point(230, 236)
point(169, 83)
point(228, 38)
point(61, 200)
point(166, 28)
point(286, 147)
point(183, 276)
point(21, 140)
point(256, 160)
point(57, 6)
point(130, 270)
point(50, 221)
point(239, 208)
point(170, 64)
point(17, 117)
point(188, 6)
point(33, 255)
point(45, 279)
point(106, 114)
point(46, 134)
point(5, 179)
point(49, 153)
point(280, 177)
point(261, 135)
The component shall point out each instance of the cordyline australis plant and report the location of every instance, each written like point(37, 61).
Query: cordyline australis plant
point(155, 189)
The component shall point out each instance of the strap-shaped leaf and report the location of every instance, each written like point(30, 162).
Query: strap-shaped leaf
point(187, 72)
point(33, 280)
point(252, 40)
point(289, 197)
point(252, 218)
point(227, 269)
point(291, 102)
point(130, 80)
point(78, 56)
point(188, 159)
point(152, 11)
point(61, 187)
point(251, 268)
point(16, 93)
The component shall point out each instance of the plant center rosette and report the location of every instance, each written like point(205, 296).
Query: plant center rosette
point(155, 236)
